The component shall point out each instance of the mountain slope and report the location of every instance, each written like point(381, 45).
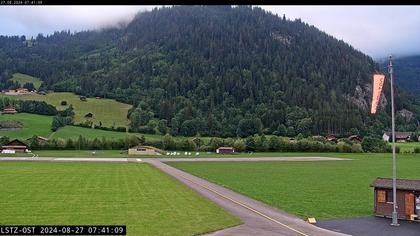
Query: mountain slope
point(213, 70)
point(407, 71)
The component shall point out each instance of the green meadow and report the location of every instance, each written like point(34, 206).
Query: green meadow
point(107, 111)
point(139, 196)
point(23, 79)
point(32, 125)
point(323, 189)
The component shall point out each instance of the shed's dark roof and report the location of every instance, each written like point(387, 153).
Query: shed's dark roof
point(403, 184)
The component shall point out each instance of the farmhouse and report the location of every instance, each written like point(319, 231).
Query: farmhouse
point(355, 138)
point(14, 146)
point(332, 138)
point(9, 110)
point(89, 115)
point(40, 139)
point(408, 198)
point(223, 150)
point(144, 150)
point(400, 137)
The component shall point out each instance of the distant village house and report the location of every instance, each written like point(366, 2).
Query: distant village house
point(225, 150)
point(144, 150)
point(89, 115)
point(14, 146)
point(355, 138)
point(399, 136)
point(9, 110)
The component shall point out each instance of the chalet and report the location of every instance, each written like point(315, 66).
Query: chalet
point(400, 137)
point(144, 150)
point(355, 138)
point(9, 110)
point(89, 115)
point(332, 138)
point(14, 146)
point(40, 139)
point(408, 198)
point(225, 150)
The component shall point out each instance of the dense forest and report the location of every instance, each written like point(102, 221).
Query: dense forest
point(214, 71)
point(407, 70)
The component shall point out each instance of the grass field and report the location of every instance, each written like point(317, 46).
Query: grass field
point(23, 79)
point(147, 201)
point(107, 111)
point(41, 125)
point(74, 132)
point(324, 190)
point(33, 124)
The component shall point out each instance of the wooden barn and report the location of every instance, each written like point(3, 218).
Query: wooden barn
point(15, 145)
point(144, 150)
point(9, 110)
point(225, 150)
point(408, 198)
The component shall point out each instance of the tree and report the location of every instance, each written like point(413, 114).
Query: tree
point(163, 126)
point(247, 127)
point(29, 86)
point(250, 144)
point(168, 142)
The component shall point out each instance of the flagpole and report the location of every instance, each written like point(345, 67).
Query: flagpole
point(394, 168)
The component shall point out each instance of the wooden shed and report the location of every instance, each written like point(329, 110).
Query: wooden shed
point(144, 150)
point(226, 150)
point(15, 145)
point(408, 198)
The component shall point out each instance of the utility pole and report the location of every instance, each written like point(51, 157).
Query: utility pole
point(394, 168)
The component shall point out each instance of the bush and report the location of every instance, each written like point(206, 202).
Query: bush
point(417, 150)
point(63, 103)
point(372, 144)
point(356, 148)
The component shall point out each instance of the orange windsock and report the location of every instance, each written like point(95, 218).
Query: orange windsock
point(378, 83)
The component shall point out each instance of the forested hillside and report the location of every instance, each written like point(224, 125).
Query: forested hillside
point(407, 73)
point(213, 70)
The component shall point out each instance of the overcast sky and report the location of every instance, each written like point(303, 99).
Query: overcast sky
point(375, 30)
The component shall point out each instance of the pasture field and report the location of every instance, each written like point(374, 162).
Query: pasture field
point(41, 125)
point(32, 125)
point(74, 132)
point(108, 111)
point(323, 189)
point(139, 196)
point(23, 79)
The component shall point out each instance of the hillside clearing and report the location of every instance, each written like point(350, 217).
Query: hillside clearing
point(23, 79)
point(107, 111)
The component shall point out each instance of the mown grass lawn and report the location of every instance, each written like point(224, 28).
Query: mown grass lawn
point(107, 111)
point(23, 79)
point(324, 189)
point(144, 199)
point(32, 125)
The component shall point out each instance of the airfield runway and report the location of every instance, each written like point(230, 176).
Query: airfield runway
point(259, 218)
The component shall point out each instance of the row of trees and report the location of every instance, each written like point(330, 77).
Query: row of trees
point(257, 143)
point(28, 106)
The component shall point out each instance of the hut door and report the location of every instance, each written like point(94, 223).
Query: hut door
point(409, 204)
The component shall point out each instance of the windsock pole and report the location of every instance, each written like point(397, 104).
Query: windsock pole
point(394, 168)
